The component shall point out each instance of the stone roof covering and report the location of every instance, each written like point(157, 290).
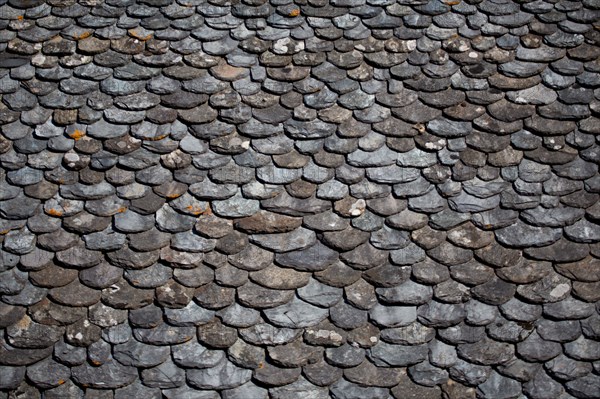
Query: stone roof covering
point(299, 199)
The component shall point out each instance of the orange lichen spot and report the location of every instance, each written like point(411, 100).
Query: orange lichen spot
point(60, 382)
point(122, 209)
point(196, 210)
point(24, 322)
point(133, 33)
point(199, 211)
point(206, 211)
point(3, 232)
point(173, 196)
point(295, 12)
point(84, 35)
point(20, 17)
point(420, 127)
point(77, 134)
point(156, 138)
point(54, 212)
point(193, 209)
point(453, 2)
point(261, 365)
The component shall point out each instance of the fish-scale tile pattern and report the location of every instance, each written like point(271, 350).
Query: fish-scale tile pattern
point(284, 199)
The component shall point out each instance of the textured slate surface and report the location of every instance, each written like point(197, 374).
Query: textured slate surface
point(310, 199)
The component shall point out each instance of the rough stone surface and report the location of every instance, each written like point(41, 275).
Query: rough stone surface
point(309, 199)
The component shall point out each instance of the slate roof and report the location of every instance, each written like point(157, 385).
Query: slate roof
point(299, 199)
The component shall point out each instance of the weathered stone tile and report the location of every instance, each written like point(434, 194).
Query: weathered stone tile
point(266, 222)
point(468, 373)
point(193, 354)
point(274, 376)
point(582, 386)
point(136, 388)
point(111, 374)
point(295, 313)
point(523, 235)
point(437, 314)
point(550, 288)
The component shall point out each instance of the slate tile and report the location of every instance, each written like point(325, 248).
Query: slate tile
point(551, 288)
point(517, 310)
point(468, 373)
point(542, 385)
point(16, 357)
point(555, 251)
point(293, 354)
point(215, 335)
point(12, 376)
point(498, 385)
point(29, 295)
point(284, 242)
point(136, 388)
point(50, 276)
point(519, 369)
point(437, 314)
point(106, 239)
point(452, 255)
point(426, 374)
point(581, 199)
point(75, 294)
point(246, 390)
point(203, 357)
point(256, 296)
point(583, 270)
point(345, 315)
point(50, 313)
point(122, 295)
point(133, 353)
point(407, 293)
point(368, 222)
point(525, 272)
point(295, 313)
point(110, 374)
point(82, 333)
point(11, 314)
point(231, 276)
point(583, 385)
point(582, 349)
point(486, 352)
point(527, 235)
point(479, 313)
point(578, 169)
point(245, 355)
point(451, 291)
point(164, 334)
point(273, 376)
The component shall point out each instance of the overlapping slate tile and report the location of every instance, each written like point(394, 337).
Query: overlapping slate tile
point(263, 199)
